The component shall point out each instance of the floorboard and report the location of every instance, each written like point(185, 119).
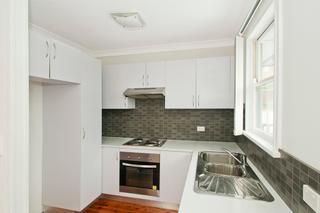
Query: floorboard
point(104, 205)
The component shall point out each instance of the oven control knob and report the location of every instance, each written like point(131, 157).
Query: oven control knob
point(139, 157)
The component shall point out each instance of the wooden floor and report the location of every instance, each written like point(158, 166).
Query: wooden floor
point(105, 205)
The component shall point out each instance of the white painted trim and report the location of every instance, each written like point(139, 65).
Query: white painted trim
point(14, 164)
point(60, 38)
point(239, 87)
point(229, 42)
point(279, 74)
point(261, 139)
point(263, 144)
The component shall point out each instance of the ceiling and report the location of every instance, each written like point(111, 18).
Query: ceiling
point(88, 23)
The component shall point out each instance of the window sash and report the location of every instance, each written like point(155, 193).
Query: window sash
point(257, 51)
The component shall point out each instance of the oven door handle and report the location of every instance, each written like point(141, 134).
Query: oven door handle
point(140, 166)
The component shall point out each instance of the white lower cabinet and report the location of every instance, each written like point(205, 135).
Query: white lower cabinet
point(110, 171)
point(173, 173)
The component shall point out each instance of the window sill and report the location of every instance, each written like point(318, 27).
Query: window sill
point(263, 144)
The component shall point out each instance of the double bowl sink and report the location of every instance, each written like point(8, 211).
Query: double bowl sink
point(228, 174)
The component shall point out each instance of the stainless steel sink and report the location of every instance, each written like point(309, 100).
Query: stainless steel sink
point(222, 158)
point(224, 169)
point(221, 174)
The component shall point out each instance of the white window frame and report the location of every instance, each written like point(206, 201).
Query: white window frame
point(268, 143)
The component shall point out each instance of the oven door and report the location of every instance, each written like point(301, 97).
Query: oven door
point(140, 177)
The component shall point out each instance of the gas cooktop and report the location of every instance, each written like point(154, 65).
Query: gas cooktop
point(153, 142)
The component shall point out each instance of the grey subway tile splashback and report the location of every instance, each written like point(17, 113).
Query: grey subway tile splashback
point(286, 174)
point(151, 119)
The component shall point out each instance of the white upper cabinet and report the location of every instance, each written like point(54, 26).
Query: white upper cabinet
point(39, 55)
point(53, 60)
point(115, 80)
point(205, 83)
point(215, 84)
point(155, 74)
point(134, 75)
point(180, 84)
point(64, 62)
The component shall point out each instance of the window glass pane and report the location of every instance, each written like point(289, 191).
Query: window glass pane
point(266, 57)
point(264, 108)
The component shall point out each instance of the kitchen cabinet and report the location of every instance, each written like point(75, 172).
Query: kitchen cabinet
point(180, 84)
point(64, 62)
point(110, 171)
point(72, 139)
point(134, 75)
point(206, 83)
point(215, 83)
point(155, 74)
point(91, 115)
point(39, 55)
point(53, 60)
point(115, 80)
point(119, 77)
point(174, 168)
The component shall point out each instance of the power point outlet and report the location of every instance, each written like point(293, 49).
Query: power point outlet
point(312, 198)
point(201, 128)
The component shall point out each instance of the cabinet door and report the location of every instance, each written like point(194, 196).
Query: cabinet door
point(134, 76)
point(91, 130)
point(110, 171)
point(180, 84)
point(173, 170)
point(215, 83)
point(61, 146)
point(65, 62)
point(114, 83)
point(38, 55)
point(155, 74)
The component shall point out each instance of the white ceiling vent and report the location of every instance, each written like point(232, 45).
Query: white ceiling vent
point(128, 20)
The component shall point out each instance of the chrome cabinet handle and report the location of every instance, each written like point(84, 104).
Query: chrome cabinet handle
point(125, 102)
point(55, 50)
point(198, 100)
point(83, 133)
point(147, 80)
point(142, 80)
point(47, 45)
point(193, 100)
point(140, 166)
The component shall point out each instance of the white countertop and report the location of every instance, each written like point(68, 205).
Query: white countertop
point(193, 202)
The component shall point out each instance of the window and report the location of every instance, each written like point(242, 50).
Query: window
point(264, 73)
point(261, 72)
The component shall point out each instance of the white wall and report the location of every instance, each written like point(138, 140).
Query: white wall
point(14, 128)
point(35, 148)
point(4, 104)
point(300, 80)
point(172, 55)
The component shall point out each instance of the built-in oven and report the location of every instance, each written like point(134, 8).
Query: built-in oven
point(140, 173)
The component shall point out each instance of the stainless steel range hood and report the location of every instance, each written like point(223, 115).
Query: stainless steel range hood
point(145, 93)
